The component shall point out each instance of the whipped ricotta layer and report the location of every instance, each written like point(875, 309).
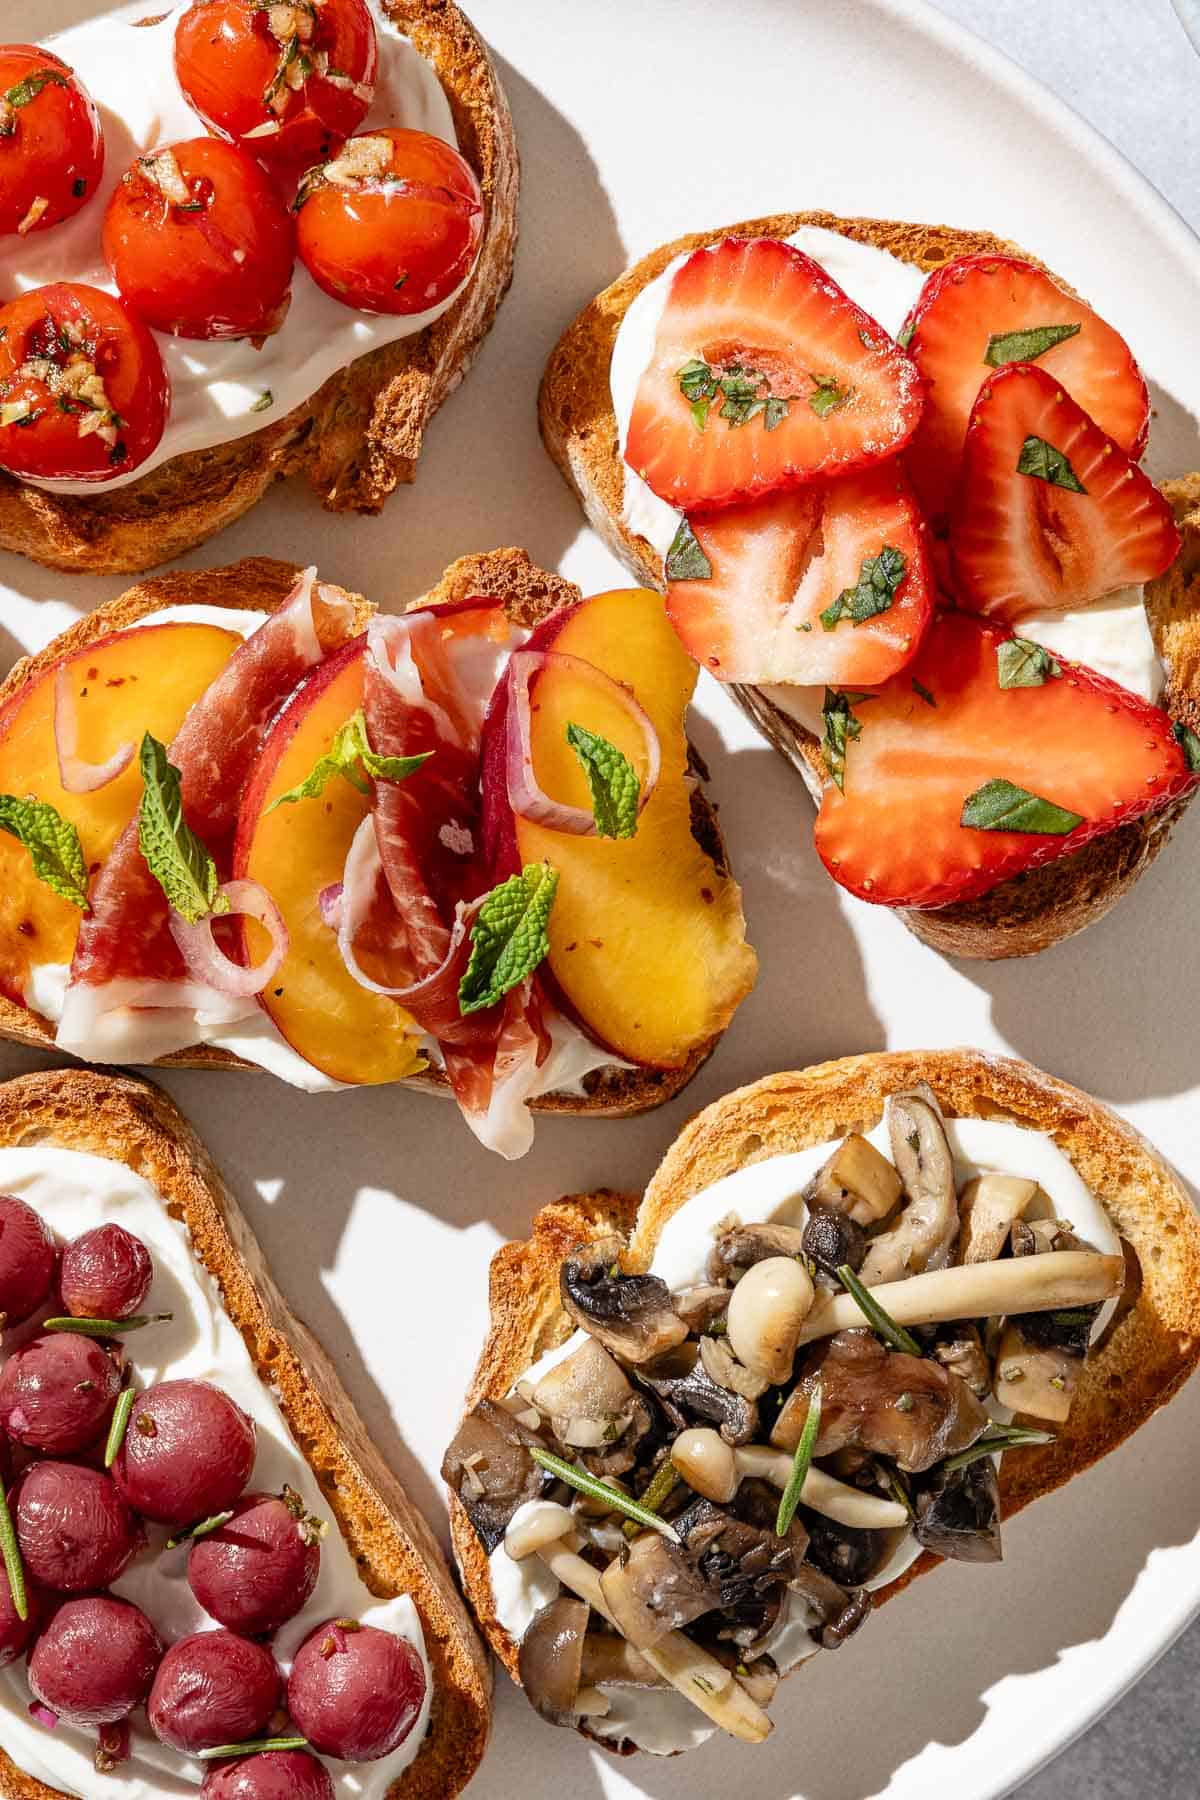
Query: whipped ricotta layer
point(663, 1722)
point(1112, 635)
point(74, 1192)
point(256, 1038)
point(220, 389)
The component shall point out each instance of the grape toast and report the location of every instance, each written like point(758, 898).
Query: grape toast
point(132, 1122)
point(360, 434)
point(1026, 913)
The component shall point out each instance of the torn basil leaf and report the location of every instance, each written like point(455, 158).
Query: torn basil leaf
point(1027, 345)
point(841, 728)
point(826, 396)
point(1042, 460)
point(875, 590)
point(1000, 805)
point(686, 560)
point(1020, 663)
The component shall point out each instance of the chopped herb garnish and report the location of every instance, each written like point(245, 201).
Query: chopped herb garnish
point(1042, 460)
point(801, 1464)
point(1189, 743)
point(922, 692)
point(79, 188)
point(841, 728)
point(11, 1551)
point(827, 396)
point(22, 92)
point(1000, 805)
point(508, 938)
point(1025, 346)
point(104, 1328)
point(999, 1438)
point(596, 1489)
point(265, 401)
point(120, 1424)
point(744, 394)
point(612, 781)
point(877, 1317)
point(904, 336)
point(1021, 663)
point(874, 592)
point(53, 845)
point(205, 1528)
point(253, 1747)
point(905, 1403)
point(399, 282)
point(686, 560)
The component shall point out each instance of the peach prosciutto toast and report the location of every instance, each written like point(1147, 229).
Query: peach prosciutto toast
point(889, 479)
point(248, 819)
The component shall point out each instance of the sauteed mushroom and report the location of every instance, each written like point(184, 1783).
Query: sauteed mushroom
point(924, 1235)
point(550, 1661)
point(958, 1514)
point(701, 1305)
point(832, 1238)
point(490, 1469)
point(631, 1315)
point(838, 1614)
point(682, 1381)
point(593, 1408)
point(856, 1180)
point(739, 1249)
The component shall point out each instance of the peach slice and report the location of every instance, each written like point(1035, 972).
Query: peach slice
point(295, 851)
point(647, 936)
point(124, 685)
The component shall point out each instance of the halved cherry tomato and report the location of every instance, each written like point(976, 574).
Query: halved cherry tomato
point(289, 81)
point(392, 224)
point(51, 143)
point(83, 391)
point(200, 242)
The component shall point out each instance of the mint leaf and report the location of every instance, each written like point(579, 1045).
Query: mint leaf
point(52, 842)
point(827, 396)
point(841, 728)
point(1025, 346)
point(999, 805)
point(175, 856)
point(686, 560)
point(1020, 663)
point(923, 692)
point(348, 755)
point(1040, 459)
point(612, 779)
point(878, 583)
point(508, 938)
point(697, 381)
point(1189, 743)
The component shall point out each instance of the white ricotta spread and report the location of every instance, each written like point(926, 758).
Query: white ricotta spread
point(663, 1723)
point(216, 386)
point(1111, 635)
point(74, 1192)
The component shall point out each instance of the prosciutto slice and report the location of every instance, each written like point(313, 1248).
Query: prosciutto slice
point(130, 997)
point(430, 860)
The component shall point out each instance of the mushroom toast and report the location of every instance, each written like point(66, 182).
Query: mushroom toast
point(861, 1316)
point(890, 479)
point(246, 819)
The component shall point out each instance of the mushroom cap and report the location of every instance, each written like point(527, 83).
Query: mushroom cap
point(550, 1661)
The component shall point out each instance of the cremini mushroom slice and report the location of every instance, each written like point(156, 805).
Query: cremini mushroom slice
point(924, 1234)
point(856, 1180)
point(593, 1407)
point(988, 1207)
point(739, 1248)
point(1036, 1379)
point(490, 1469)
point(631, 1315)
point(1063, 1279)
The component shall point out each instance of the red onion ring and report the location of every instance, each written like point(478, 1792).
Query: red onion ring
point(329, 904)
point(42, 1715)
point(527, 799)
point(208, 963)
point(76, 775)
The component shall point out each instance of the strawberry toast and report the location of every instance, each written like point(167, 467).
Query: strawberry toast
point(247, 820)
point(240, 241)
point(889, 478)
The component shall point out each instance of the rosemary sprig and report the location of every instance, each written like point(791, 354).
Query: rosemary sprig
point(203, 1529)
point(600, 1490)
point(665, 1480)
point(11, 1551)
point(880, 1321)
point(102, 1328)
point(253, 1747)
point(120, 1425)
point(801, 1464)
point(1001, 1437)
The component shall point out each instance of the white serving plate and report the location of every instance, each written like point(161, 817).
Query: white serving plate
point(638, 122)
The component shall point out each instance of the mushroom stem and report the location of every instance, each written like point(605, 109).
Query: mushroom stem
point(699, 1677)
point(1063, 1278)
point(824, 1493)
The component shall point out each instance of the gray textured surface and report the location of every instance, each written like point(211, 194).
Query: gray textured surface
point(1127, 67)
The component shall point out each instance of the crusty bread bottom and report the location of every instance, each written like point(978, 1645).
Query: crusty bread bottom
point(1143, 1361)
point(130, 1121)
point(1030, 912)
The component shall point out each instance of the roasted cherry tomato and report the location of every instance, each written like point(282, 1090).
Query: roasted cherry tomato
point(392, 224)
point(83, 391)
point(289, 81)
point(200, 242)
point(51, 144)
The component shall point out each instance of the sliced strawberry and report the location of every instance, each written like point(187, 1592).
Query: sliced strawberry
point(978, 313)
point(826, 583)
point(1025, 537)
point(1086, 756)
point(764, 374)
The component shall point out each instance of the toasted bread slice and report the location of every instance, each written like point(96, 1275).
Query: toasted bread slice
point(260, 584)
point(132, 1122)
point(1031, 911)
point(360, 434)
point(1143, 1360)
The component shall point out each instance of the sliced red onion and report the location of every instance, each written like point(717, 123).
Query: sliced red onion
point(76, 775)
point(41, 1715)
point(527, 799)
point(208, 962)
point(329, 901)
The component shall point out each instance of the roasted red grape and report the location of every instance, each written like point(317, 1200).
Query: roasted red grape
point(57, 1393)
point(75, 1531)
point(355, 1691)
point(106, 1274)
point(187, 1454)
point(15, 1633)
point(213, 1688)
point(95, 1661)
point(260, 1568)
point(27, 1260)
point(275, 1775)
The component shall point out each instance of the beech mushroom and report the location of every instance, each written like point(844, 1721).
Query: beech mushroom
point(610, 1660)
point(769, 1305)
point(743, 1246)
point(988, 1207)
point(924, 1234)
point(706, 1462)
point(1035, 1379)
point(728, 1372)
point(631, 1315)
point(856, 1180)
point(550, 1661)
